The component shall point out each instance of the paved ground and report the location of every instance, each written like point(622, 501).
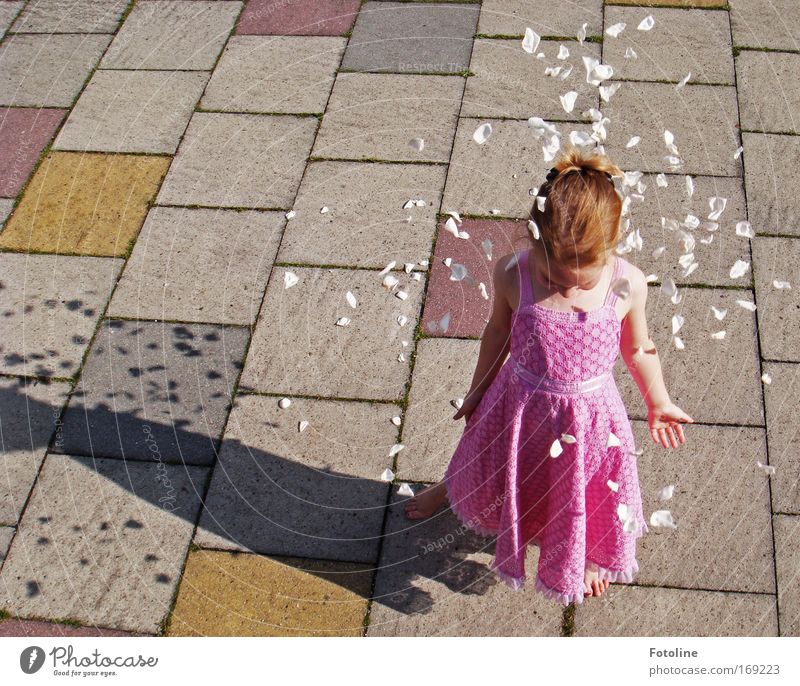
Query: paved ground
point(150, 155)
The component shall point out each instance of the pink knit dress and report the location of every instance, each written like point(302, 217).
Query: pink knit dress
point(582, 507)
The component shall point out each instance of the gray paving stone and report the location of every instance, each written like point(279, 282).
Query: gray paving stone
point(681, 41)
point(132, 111)
point(47, 70)
point(626, 610)
point(702, 118)
point(509, 82)
point(434, 579)
point(511, 17)
point(716, 381)
point(172, 34)
point(374, 116)
point(50, 304)
point(154, 391)
point(298, 348)
point(366, 225)
point(275, 74)
point(715, 258)
point(313, 494)
point(720, 505)
point(29, 415)
point(769, 98)
point(765, 23)
point(6, 534)
point(443, 370)
point(70, 16)
point(773, 201)
point(221, 154)
point(787, 561)
point(8, 10)
point(199, 265)
point(412, 37)
point(498, 174)
point(782, 437)
point(102, 542)
point(778, 308)
point(6, 205)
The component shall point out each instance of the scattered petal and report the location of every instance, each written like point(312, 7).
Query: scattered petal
point(616, 29)
point(486, 244)
point(683, 81)
point(568, 438)
point(402, 320)
point(678, 343)
point(738, 152)
point(568, 101)
point(387, 475)
point(563, 52)
point(302, 426)
point(389, 282)
point(784, 285)
point(405, 489)
point(451, 227)
point(690, 188)
point(283, 403)
point(663, 518)
point(581, 138)
point(634, 140)
point(401, 294)
point(612, 440)
point(630, 53)
point(482, 289)
point(534, 229)
point(396, 448)
point(582, 33)
point(482, 133)
point(766, 378)
point(767, 468)
point(666, 492)
point(719, 335)
point(397, 420)
point(647, 23)
point(324, 210)
point(556, 449)
point(566, 72)
point(540, 202)
point(661, 181)
point(739, 268)
point(677, 323)
point(289, 279)
point(717, 206)
point(417, 143)
point(743, 228)
point(719, 314)
point(291, 214)
point(531, 40)
point(613, 485)
point(746, 304)
point(342, 321)
point(351, 300)
point(607, 91)
point(458, 272)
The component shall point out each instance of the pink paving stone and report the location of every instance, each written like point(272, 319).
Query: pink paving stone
point(24, 132)
point(24, 627)
point(469, 310)
point(298, 17)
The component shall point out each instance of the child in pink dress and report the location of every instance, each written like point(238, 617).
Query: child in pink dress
point(547, 455)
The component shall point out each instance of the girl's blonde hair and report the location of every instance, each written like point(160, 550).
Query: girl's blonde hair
point(580, 222)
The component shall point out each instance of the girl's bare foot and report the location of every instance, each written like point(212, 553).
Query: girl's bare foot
point(426, 502)
point(592, 585)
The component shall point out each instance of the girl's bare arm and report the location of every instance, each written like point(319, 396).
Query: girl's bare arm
point(496, 339)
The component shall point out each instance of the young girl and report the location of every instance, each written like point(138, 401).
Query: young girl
point(547, 454)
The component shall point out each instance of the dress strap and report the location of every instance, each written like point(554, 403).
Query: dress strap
point(611, 297)
point(525, 295)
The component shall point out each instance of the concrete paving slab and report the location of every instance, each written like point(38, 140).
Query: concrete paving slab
point(132, 111)
point(512, 17)
point(723, 540)
point(765, 23)
point(434, 580)
point(274, 74)
point(6, 205)
point(625, 610)
point(707, 4)
point(154, 391)
point(102, 542)
point(680, 42)
point(221, 154)
point(298, 17)
point(172, 34)
point(412, 38)
point(88, 203)
point(716, 381)
point(469, 311)
point(778, 316)
point(30, 415)
point(27, 627)
point(773, 204)
point(6, 534)
point(24, 133)
point(374, 116)
point(366, 225)
point(228, 594)
point(70, 16)
point(199, 265)
point(508, 82)
point(496, 177)
point(768, 95)
point(443, 370)
point(714, 259)
point(8, 11)
point(47, 70)
point(702, 118)
point(51, 305)
point(787, 560)
point(782, 437)
point(297, 348)
point(315, 493)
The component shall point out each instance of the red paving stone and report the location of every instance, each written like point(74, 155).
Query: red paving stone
point(24, 627)
point(468, 309)
point(298, 17)
point(24, 132)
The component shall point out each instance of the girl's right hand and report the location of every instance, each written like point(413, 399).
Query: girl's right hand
point(469, 405)
point(665, 424)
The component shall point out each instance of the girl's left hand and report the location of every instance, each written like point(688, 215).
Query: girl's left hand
point(665, 424)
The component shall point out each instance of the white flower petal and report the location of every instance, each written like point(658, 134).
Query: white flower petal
point(612, 440)
point(482, 133)
point(677, 323)
point(396, 448)
point(556, 449)
point(766, 378)
point(613, 485)
point(661, 181)
point(719, 314)
point(747, 305)
point(683, 81)
point(568, 438)
point(666, 492)
point(563, 52)
point(767, 468)
point(607, 91)
point(616, 29)
point(531, 40)
point(743, 228)
point(690, 188)
point(482, 289)
point(739, 268)
point(397, 420)
point(582, 33)
point(630, 53)
point(405, 489)
point(290, 279)
point(342, 321)
point(417, 143)
point(568, 100)
point(302, 426)
point(534, 229)
point(717, 206)
point(387, 475)
point(540, 202)
point(783, 285)
point(647, 23)
point(738, 152)
point(291, 214)
point(678, 343)
point(634, 140)
point(663, 518)
point(283, 403)
point(719, 335)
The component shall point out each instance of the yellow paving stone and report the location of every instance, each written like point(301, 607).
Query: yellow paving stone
point(670, 3)
point(242, 594)
point(85, 203)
